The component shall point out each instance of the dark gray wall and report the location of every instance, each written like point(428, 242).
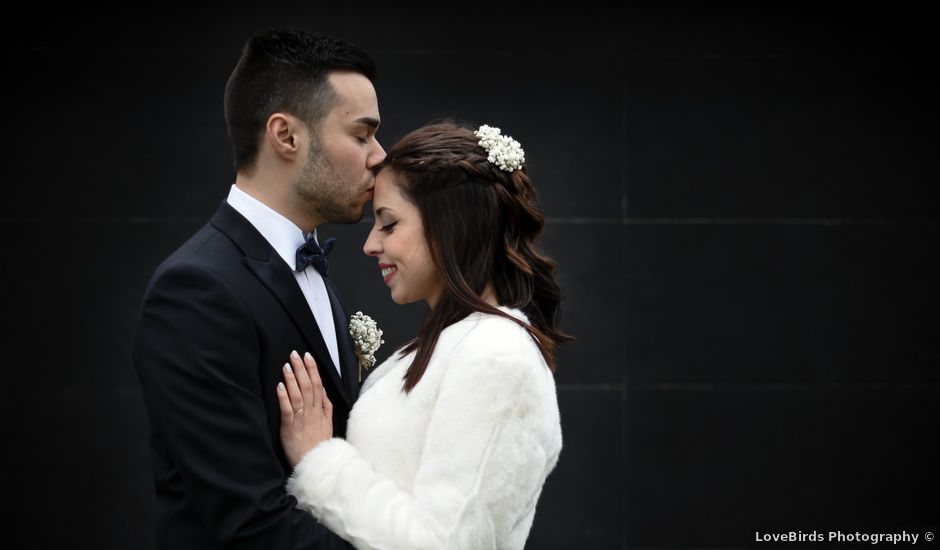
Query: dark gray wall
point(740, 200)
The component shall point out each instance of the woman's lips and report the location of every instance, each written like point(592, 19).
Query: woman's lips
point(388, 271)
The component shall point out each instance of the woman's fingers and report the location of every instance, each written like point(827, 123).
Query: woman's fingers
point(317, 385)
point(306, 411)
point(293, 391)
point(327, 408)
point(307, 388)
point(287, 410)
point(303, 388)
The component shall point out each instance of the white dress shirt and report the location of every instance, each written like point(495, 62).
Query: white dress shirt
point(285, 237)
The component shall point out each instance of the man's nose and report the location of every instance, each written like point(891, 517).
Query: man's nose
point(377, 156)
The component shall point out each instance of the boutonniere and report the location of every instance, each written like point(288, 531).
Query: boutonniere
point(367, 337)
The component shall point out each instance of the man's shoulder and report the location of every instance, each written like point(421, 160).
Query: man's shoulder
point(205, 248)
point(207, 253)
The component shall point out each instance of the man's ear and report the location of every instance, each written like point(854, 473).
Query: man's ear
point(283, 133)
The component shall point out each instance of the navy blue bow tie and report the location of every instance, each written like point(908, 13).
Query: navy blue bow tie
point(310, 253)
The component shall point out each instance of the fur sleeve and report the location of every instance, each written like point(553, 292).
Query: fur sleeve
point(493, 437)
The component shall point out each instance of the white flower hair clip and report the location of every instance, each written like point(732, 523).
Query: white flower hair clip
point(504, 151)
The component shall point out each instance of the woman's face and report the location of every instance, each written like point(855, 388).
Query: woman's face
point(397, 242)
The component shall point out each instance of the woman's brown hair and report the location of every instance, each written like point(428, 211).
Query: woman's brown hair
point(480, 224)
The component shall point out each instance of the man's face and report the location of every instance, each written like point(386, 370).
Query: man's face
point(338, 177)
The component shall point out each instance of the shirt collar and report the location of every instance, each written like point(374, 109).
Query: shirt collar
point(281, 233)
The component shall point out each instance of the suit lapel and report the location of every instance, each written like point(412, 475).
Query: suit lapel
point(271, 270)
point(347, 353)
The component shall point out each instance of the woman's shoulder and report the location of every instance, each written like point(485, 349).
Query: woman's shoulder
point(495, 355)
point(486, 335)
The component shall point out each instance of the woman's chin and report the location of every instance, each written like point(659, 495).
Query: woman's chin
point(403, 300)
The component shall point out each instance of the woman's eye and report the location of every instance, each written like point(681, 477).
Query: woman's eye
point(388, 227)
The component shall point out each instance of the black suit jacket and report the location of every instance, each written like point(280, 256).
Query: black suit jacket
point(218, 321)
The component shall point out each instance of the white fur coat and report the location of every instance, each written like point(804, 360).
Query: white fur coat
point(457, 463)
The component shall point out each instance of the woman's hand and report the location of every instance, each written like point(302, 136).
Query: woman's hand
point(306, 411)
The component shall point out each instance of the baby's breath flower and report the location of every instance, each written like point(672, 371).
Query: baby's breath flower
point(367, 337)
point(503, 151)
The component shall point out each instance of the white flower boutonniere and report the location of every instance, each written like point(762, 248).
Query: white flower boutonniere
point(367, 337)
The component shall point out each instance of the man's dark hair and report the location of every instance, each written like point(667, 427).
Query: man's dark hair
point(285, 71)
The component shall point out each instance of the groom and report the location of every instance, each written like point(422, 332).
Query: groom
point(224, 311)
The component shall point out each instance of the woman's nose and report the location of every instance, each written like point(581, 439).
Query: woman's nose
point(372, 246)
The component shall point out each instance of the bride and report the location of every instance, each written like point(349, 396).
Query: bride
point(453, 436)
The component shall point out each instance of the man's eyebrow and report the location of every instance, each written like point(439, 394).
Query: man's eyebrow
point(368, 121)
